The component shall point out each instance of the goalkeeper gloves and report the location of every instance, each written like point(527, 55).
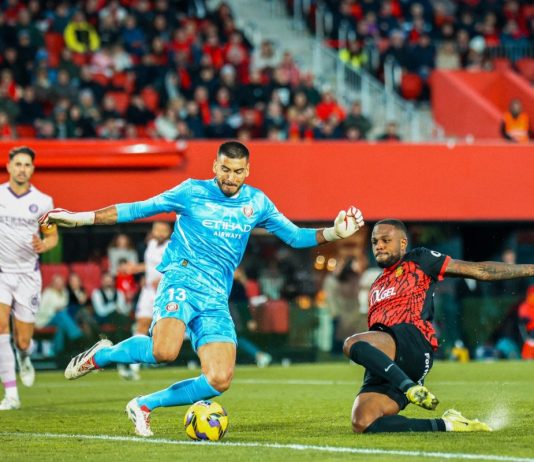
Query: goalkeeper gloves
point(345, 224)
point(66, 219)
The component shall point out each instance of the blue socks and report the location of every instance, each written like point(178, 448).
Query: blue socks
point(137, 349)
point(185, 392)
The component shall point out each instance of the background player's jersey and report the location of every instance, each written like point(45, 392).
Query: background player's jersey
point(212, 230)
point(153, 255)
point(404, 292)
point(18, 224)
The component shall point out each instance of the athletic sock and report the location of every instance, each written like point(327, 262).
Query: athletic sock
point(399, 423)
point(7, 367)
point(23, 354)
point(137, 349)
point(185, 392)
point(378, 363)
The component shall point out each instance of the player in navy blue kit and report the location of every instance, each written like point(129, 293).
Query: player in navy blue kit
point(214, 221)
point(397, 351)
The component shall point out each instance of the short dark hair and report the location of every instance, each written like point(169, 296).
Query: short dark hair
point(395, 223)
point(233, 150)
point(22, 150)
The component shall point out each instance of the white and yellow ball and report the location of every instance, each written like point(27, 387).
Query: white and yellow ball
point(206, 420)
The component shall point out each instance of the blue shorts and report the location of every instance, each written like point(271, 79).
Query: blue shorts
point(205, 313)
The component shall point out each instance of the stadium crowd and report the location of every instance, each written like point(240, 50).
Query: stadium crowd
point(422, 35)
point(137, 69)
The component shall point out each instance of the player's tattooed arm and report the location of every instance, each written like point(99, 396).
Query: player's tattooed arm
point(106, 216)
point(487, 270)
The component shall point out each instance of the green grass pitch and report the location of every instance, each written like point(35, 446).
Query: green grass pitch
point(300, 412)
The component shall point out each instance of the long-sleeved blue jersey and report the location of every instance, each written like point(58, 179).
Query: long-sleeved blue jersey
point(212, 230)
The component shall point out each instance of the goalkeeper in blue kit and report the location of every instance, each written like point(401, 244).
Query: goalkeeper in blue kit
point(214, 220)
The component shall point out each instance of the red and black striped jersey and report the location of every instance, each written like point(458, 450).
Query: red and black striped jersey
point(404, 292)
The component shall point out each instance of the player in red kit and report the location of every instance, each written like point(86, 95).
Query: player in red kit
point(397, 351)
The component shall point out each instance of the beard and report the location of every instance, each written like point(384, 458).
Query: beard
point(389, 261)
point(226, 193)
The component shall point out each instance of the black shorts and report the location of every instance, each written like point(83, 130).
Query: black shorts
point(414, 356)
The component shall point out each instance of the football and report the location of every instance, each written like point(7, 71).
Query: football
point(206, 420)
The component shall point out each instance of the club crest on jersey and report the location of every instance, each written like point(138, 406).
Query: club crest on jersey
point(33, 208)
point(34, 301)
point(248, 211)
point(171, 307)
point(399, 272)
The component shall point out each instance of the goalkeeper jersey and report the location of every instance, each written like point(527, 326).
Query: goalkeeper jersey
point(212, 230)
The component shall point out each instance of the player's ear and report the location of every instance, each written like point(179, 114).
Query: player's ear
point(404, 244)
point(247, 170)
point(215, 166)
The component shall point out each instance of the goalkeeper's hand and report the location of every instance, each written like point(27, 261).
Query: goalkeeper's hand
point(345, 224)
point(66, 219)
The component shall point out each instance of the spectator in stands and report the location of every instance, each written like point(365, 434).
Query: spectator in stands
point(63, 87)
point(219, 127)
point(78, 306)
point(45, 129)
point(391, 133)
point(275, 118)
point(26, 26)
point(121, 248)
point(353, 54)
point(341, 288)
point(7, 131)
point(112, 314)
point(121, 60)
point(81, 36)
point(89, 111)
point(59, 17)
point(137, 112)
point(12, 62)
point(133, 37)
point(356, 119)
point(245, 324)
point(111, 129)
point(26, 53)
point(329, 129)
point(53, 312)
point(515, 126)
point(329, 107)
point(30, 109)
point(166, 124)
point(265, 58)
point(63, 126)
point(447, 56)
point(102, 62)
point(86, 82)
point(109, 109)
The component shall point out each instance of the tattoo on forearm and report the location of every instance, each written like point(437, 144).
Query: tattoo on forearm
point(106, 216)
point(489, 270)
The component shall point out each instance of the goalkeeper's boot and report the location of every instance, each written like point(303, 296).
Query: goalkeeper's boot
point(83, 363)
point(9, 404)
point(421, 396)
point(456, 422)
point(26, 370)
point(140, 416)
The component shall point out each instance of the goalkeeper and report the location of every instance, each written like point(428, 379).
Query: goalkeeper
point(214, 220)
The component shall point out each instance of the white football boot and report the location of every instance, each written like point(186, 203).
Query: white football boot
point(26, 370)
point(9, 404)
point(140, 418)
point(82, 364)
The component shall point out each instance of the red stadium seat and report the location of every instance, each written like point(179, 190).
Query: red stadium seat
point(273, 317)
point(48, 271)
point(124, 81)
point(102, 79)
point(151, 98)
point(142, 132)
point(122, 100)
point(501, 64)
point(25, 131)
point(90, 274)
point(411, 86)
point(525, 66)
point(54, 45)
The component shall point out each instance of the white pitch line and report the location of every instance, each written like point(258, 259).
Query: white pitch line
point(294, 447)
point(353, 383)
